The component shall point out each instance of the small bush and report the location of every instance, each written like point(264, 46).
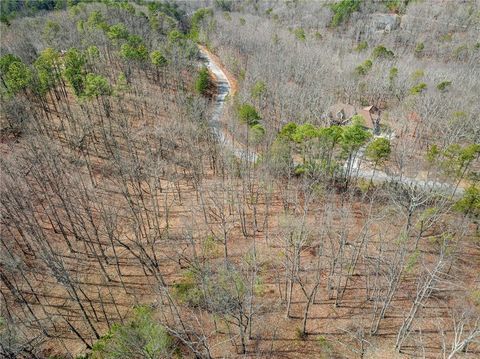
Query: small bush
point(117, 32)
point(134, 50)
point(242, 74)
point(358, 120)
point(287, 131)
point(378, 150)
point(141, 334)
point(157, 59)
point(210, 247)
point(299, 33)
point(175, 36)
point(96, 85)
point(258, 89)
point(248, 114)
point(381, 52)
point(300, 170)
point(364, 68)
point(364, 185)
point(442, 86)
point(362, 45)
point(470, 202)
point(395, 6)
point(187, 289)
point(393, 74)
point(203, 81)
point(304, 132)
point(342, 11)
point(258, 131)
point(419, 49)
point(418, 89)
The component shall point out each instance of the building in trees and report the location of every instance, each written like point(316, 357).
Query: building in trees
point(341, 114)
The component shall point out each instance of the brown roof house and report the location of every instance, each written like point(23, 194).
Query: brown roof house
point(340, 114)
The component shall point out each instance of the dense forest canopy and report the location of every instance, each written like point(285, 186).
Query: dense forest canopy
point(219, 178)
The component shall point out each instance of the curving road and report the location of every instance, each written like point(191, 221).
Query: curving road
point(225, 138)
point(223, 89)
point(380, 176)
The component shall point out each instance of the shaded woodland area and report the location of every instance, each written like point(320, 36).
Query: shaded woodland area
point(128, 230)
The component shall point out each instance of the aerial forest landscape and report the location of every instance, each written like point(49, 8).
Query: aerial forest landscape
point(239, 179)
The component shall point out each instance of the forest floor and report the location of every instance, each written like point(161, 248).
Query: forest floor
point(333, 331)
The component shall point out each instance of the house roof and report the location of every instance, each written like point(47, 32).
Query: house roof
point(350, 110)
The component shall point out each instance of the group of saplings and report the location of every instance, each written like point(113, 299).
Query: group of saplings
point(47, 72)
point(141, 336)
point(330, 151)
point(74, 66)
point(324, 150)
point(223, 292)
point(248, 114)
point(382, 53)
point(379, 53)
point(58, 157)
